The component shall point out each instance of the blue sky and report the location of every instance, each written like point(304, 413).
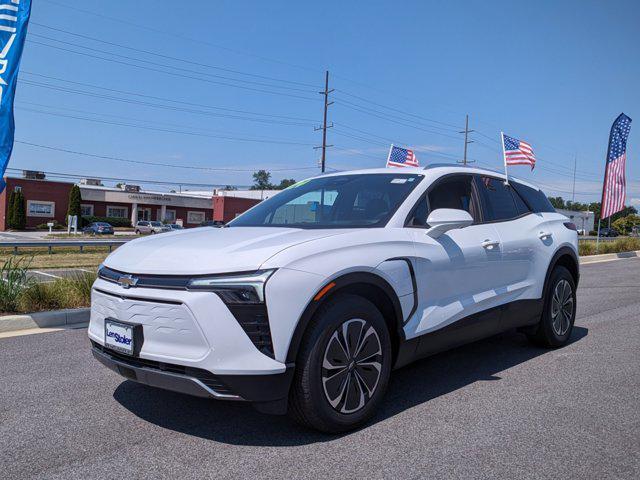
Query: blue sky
point(555, 74)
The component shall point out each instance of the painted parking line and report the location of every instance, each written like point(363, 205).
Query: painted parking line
point(45, 274)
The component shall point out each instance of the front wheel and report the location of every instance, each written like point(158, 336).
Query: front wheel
point(343, 366)
point(559, 312)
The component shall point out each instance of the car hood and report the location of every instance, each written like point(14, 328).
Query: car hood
point(208, 250)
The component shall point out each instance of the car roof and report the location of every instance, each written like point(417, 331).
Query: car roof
point(435, 170)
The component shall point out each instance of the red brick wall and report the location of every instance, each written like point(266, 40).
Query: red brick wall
point(58, 192)
point(42, 190)
point(228, 208)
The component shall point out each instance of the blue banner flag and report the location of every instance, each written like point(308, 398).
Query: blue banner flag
point(14, 17)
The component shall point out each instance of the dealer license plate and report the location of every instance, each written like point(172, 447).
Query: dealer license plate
point(119, 336)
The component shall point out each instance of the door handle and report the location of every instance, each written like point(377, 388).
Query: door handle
point(490, 244)
point(544, 235)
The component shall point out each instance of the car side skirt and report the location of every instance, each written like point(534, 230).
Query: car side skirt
point(520, 313)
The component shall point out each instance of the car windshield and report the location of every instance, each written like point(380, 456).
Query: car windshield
point(340, 201)
point(156, 224)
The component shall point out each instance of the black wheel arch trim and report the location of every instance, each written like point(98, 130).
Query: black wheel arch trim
point(561, 252)
point(340, 284)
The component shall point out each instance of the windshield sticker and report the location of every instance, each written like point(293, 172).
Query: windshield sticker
point(399, 180)
point(300, 183)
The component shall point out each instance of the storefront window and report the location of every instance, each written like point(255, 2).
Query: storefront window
point(40, 209)
point(195, 217)
point(117, 212)
point(86, 210)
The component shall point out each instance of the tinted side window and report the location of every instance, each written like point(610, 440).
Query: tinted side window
point(497, 200)
point(536, 199)
point(520, 205)
point(454, 192)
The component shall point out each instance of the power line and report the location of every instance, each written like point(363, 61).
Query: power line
point(405, 112)
point(153, 97)
point(197, 72)
point(178, 59)
point(155, 164)
point(168, 72)
point(164, 130)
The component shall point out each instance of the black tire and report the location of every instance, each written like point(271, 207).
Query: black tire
point(322, 395)
point(137, 232)
point(559, 313)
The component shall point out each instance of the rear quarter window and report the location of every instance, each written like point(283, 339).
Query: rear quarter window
point(535, 199)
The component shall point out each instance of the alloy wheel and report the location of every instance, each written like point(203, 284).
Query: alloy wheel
point(352, 365)
point(562, 307)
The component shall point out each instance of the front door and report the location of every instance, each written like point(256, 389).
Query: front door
point(458, 274)
point(144, 214)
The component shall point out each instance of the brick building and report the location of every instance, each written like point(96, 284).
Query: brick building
point(47, 200)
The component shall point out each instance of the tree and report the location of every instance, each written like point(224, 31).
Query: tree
point(623, 225)
point(557, 202)
point(230, 187)
point(74, 204)
point(285, 183)
point(261, 180)
point(11, 210)
point(19, 215)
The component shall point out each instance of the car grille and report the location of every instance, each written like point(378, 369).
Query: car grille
point(206, 377)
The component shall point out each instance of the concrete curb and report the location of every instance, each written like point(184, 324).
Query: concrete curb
point(55, 318)
point(605, 257)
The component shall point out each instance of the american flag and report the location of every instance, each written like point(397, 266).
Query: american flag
point(613, 191)
point(401, 157)
point(517, 152)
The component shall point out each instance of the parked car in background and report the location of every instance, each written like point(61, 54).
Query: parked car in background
point(98, 228)
point(212, 223)
point(309, 300)
point(175, 226)
point(608, 232)
point(144, 227)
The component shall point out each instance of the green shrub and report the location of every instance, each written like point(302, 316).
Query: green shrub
point(16, 214)
point(56, 226)
point(113, 221)
point(14, 281)
point(626, 244)
point(74, 204)
point(73, 292)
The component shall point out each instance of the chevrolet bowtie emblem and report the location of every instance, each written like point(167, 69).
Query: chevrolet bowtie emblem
point(127, 281)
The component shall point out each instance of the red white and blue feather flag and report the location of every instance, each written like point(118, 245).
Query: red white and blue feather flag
point(614, 187)
point(401, 157)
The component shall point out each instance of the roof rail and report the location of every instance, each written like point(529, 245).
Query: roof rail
point(434, 165)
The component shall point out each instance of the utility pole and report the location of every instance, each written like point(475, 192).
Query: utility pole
point(573, 192)
point(324, 126)
point(466, 139)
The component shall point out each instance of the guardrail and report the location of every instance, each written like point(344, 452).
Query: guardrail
point(65, 243)
point(593, 239)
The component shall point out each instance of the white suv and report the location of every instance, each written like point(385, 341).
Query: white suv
point(307, 301)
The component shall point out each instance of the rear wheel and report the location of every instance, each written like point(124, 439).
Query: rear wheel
point(559, 311)
point(343, 366)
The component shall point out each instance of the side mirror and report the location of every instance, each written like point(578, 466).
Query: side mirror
point(442, 220)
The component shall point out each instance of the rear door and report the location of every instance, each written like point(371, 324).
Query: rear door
point(520, 237)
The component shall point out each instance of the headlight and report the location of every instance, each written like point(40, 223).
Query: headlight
point(235, 289)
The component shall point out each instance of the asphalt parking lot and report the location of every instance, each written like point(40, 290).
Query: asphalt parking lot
point(499, 408)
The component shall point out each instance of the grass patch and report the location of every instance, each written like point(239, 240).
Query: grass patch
point(61, 257)
point(14, 280)
point(74, 292)
point(626, 244)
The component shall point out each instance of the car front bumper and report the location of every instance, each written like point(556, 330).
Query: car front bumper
point(260, 389)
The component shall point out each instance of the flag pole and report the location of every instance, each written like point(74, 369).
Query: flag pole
point(389, 155)
point(504, 157)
